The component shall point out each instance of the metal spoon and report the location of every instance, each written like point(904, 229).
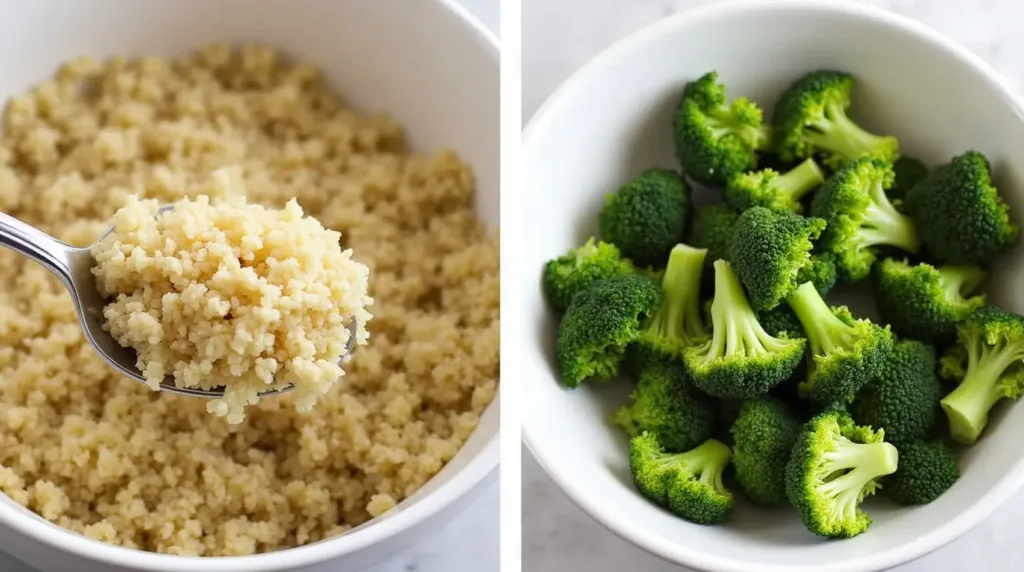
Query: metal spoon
point(74, 268)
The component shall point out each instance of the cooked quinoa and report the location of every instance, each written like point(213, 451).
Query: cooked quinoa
point(114, 460)
point(231, 294)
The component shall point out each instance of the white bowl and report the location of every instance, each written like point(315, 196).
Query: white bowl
point(427, 63)
point(612, 119)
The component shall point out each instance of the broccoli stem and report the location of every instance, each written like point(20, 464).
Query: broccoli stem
point(968, 405)
point(825, 332)
point(723, 122)
point(736, 330)
point(679, 318)
point(884, 225)
point(707, 462)
point(841, 135)
point(863, 462)
point(800, 180)
point(959, 282)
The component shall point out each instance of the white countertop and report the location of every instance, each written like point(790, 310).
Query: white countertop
point(561, 35)
point(470, 542)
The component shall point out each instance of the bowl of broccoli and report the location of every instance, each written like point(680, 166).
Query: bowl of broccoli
point(767, 314)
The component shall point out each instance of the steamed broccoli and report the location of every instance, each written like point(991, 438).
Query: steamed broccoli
point(834, 465)
point(926, 470)
point(763, 436)
point(769, 249)
point(770, 189)
point(712, 229)
point(647, 216)
point(579, 268)
point(991, 341)
point(821, 271)
point(739, 359)
point(845, 353)
point(715, 138)
point(665, 405)
point(904, 399)
point(925, 302)
point(960, 214)
point(810, 119)
point(860, 217)
point(688, 484)
point(598, 325)
point(909, 171)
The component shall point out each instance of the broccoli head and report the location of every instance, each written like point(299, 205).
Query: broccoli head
point(579, 268)
point(770, 189)
point(647, 216)
point(845, 353)
point(739, 359)
point(904, 399)
point(811, 118)
point(665, 405)
point(712, 229)
point(834, 465)
point(860, 219)
point(991, 341)
point(908, 172)
point(926, 470)
point(927, 302)
point(598, 325)
point(769, 249)
point(715, 138)
point(960, 214)
point(763, 437)
point(688, 484)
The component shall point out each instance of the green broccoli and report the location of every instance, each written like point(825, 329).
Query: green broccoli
point(845, 353)
point(712, 229)
point(810, 118)
point(909, 171)
point(763, 437)
point(927, 302)
point(769, 249)
point(904, 399)
point(781, 322)
point(739, 359)
point(677, 322)
point(714, 138)
point(926, 470)
point(688, 484)
point(770, 189)
point(991, 341)
point(665, 405)
point(960, 214)
point(598, 325)
point(579, 268)
point(834, 465)
point(821, 271)
point(647, 216)
point(860, 218)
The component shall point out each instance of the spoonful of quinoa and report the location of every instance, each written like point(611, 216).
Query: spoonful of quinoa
point(214, 297)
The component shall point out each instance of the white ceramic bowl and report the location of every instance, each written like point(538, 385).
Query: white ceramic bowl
point(427, 62)
point(612, 119)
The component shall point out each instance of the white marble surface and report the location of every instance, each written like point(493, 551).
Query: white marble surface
point(561, 35)
point(470, 542)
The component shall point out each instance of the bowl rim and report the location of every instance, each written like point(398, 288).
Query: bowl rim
point(942, 534)
point(462, 482)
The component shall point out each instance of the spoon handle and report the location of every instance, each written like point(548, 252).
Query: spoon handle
point(37, 245)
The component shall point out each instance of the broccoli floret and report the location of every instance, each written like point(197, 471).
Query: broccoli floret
point(665, 405)
point(769, 249)
point(598, 325)
point(781, 322)
point(677, 322)
point(834, 465)
point(860, 218)
point(579, 268)
point(715, 138)
point(926, 470)
point(904, 399)
point(909, 171)
point(712, 229)
point(763, 437)
point(960, 214)
point(992, 341)
point(687, 484)
point(845, 353)
point(811, 118)
point(821, 271)
point(770, 189)
point(925, 302)
point(739, 359)
point(647, 216)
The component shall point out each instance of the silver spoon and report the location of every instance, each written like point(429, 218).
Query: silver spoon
point(74, 268)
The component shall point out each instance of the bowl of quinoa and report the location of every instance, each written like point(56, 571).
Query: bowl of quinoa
point(366, 134)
